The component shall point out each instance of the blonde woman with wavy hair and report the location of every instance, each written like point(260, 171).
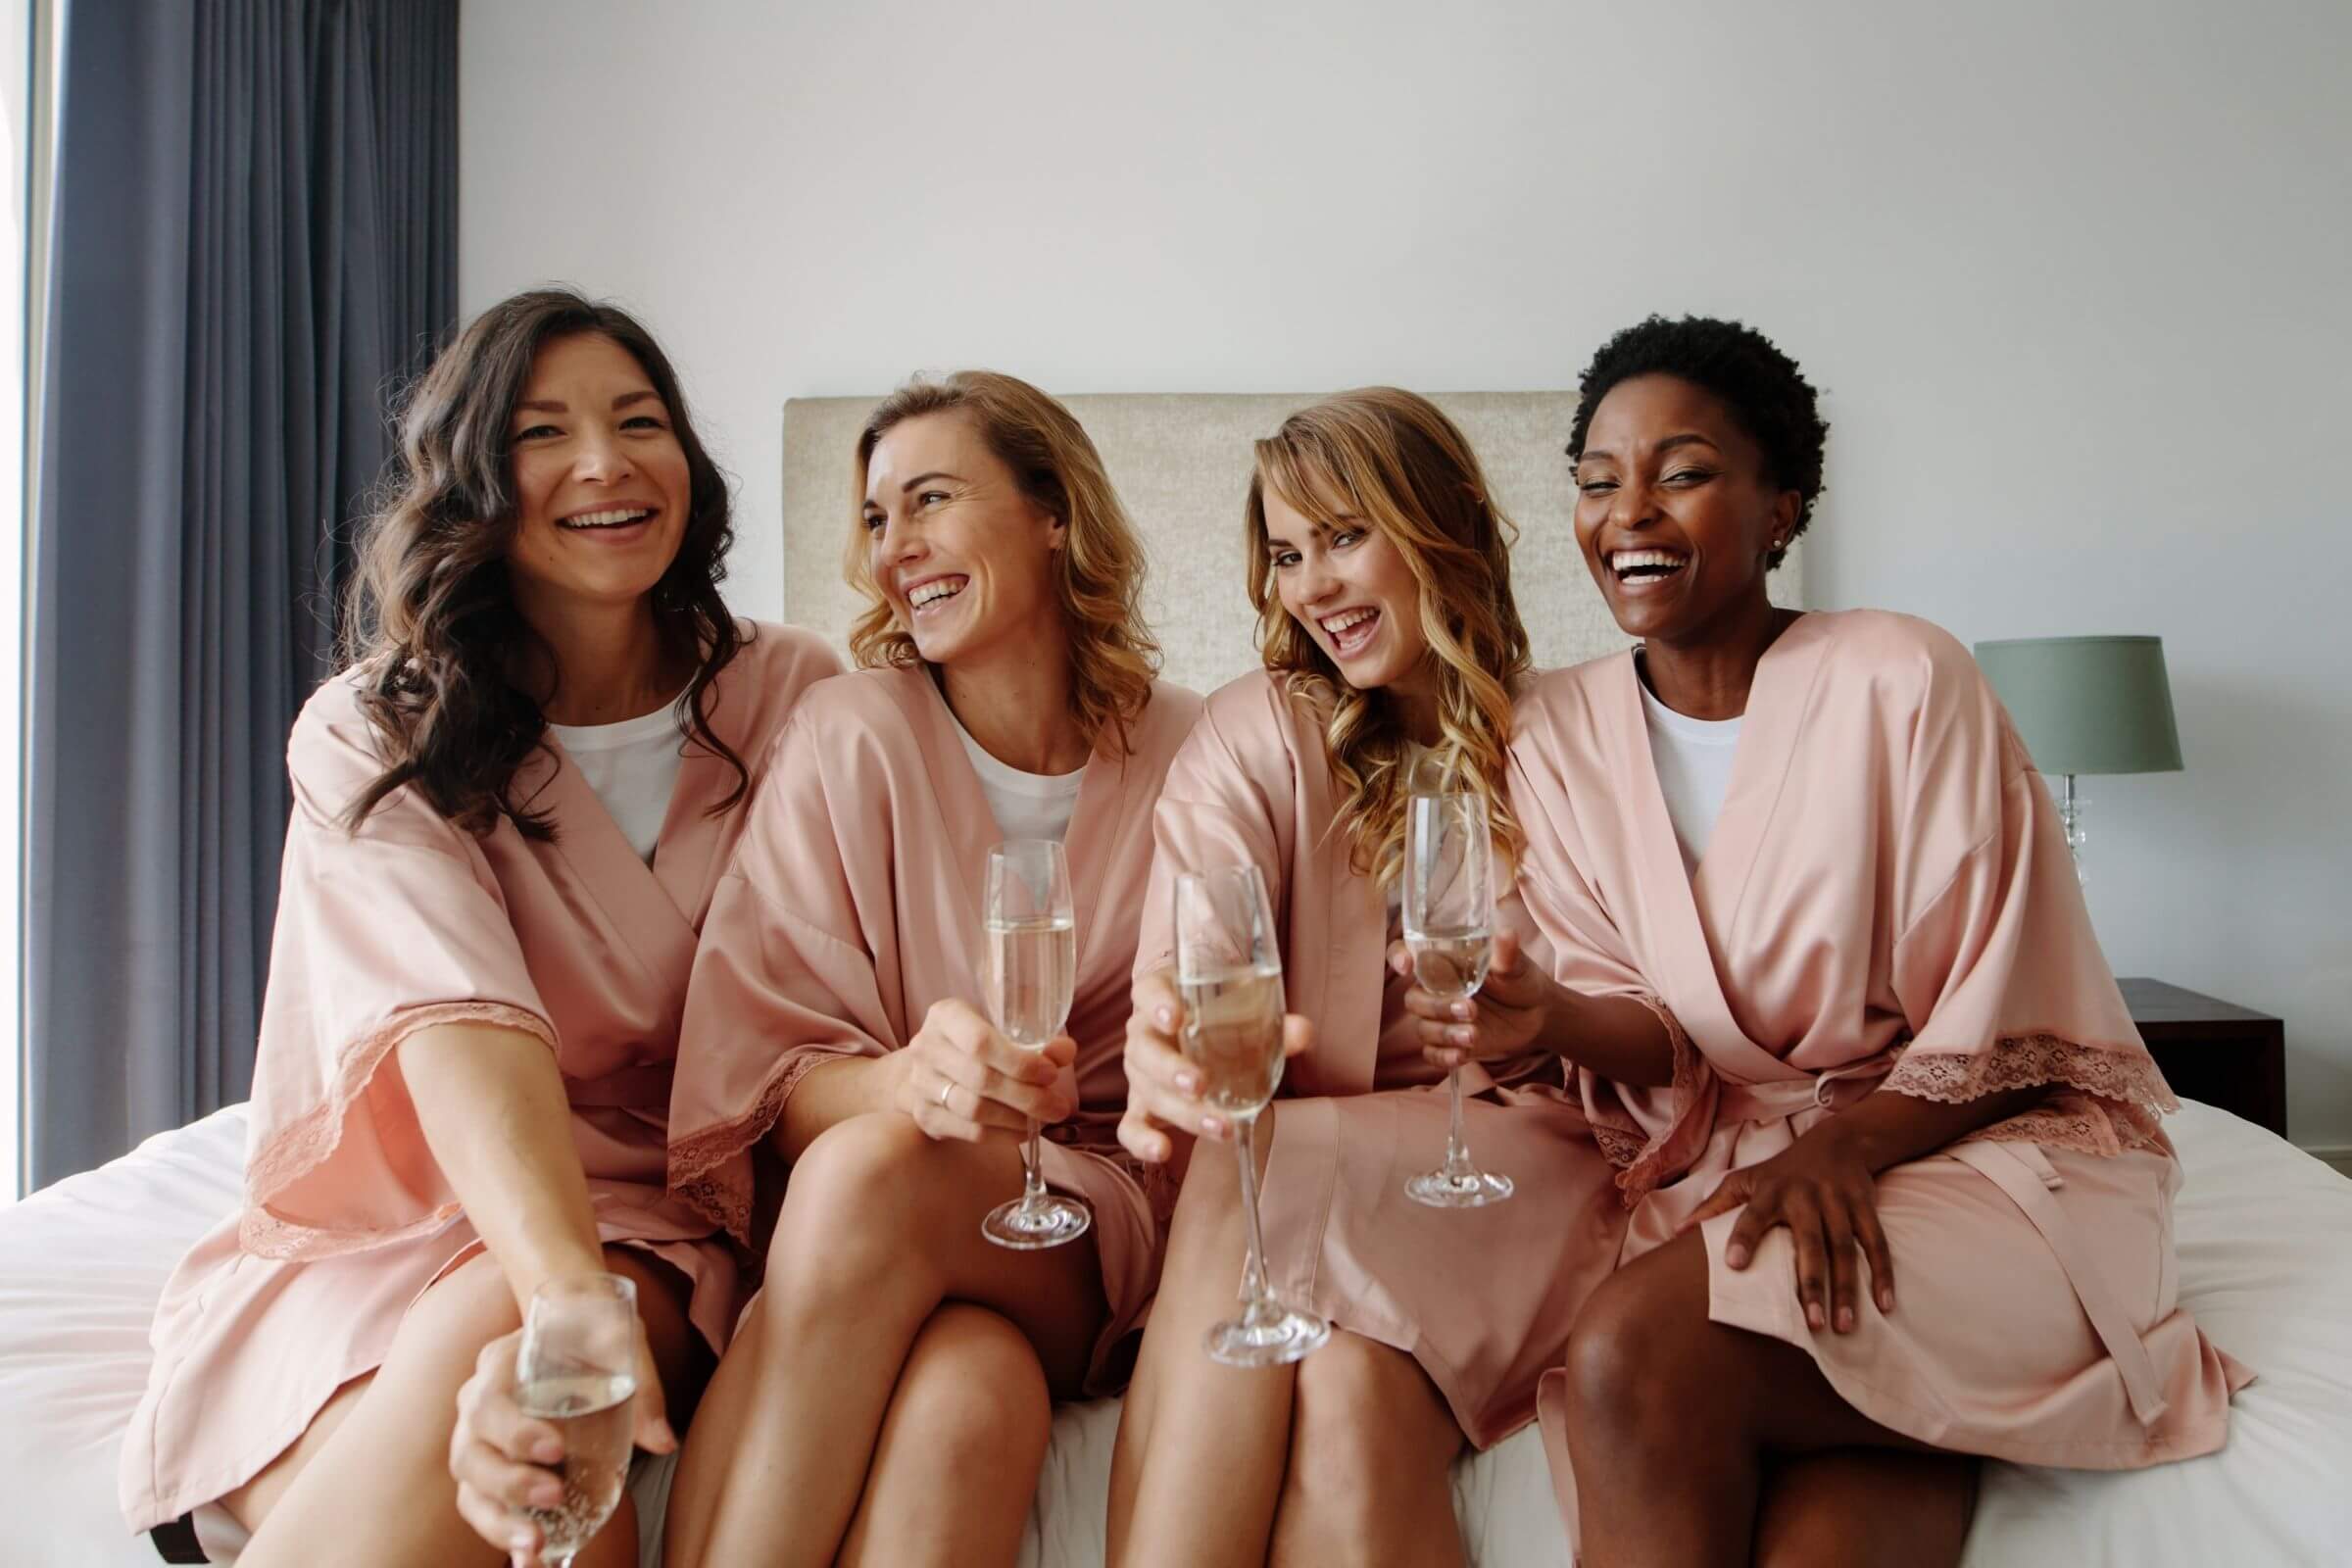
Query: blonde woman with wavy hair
point(1393, 650)
point(887, 1397)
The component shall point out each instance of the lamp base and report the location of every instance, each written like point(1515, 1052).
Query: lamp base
point(2070, 817)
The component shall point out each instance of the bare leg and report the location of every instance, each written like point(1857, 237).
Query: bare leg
point(956, 1467)
point(1198, 1470)
point(1673, 1419)
point(369, 1482)
point(1371, 1465)
point(880, 1226)
point(1865, 1509)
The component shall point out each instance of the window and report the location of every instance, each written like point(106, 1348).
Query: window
point(16, 164)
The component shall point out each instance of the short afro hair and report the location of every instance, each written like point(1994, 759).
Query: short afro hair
point(1764, 389)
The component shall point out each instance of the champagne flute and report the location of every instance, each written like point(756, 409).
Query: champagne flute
point(1450, 929)
point(1229, 975)
point(1032, 930)
point(578, 1371)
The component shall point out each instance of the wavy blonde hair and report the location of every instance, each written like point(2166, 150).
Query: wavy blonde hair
point(1099, 575)
point(1391, 460)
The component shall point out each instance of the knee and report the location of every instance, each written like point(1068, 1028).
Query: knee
point(463, 1312)
point(1796, 1535)
point(1619, 1372)
point(854, 1204)
point(974, 1392)
point(1366, 1422)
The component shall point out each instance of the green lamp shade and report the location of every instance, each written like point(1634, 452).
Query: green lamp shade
point(2088, 705)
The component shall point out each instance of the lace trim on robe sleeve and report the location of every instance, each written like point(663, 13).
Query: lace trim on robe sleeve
point(712, 1168)
point(301, 1147)
point(1648, 1162)
point(2108, 1100)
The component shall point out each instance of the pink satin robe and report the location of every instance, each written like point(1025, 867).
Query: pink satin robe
point(1482, 1298)
point(406, 923)
point(853, 904)
point(1887, 902)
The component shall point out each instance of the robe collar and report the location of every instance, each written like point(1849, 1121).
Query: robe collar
point(657, 909)
point(1096, 820)
point(1696, 908)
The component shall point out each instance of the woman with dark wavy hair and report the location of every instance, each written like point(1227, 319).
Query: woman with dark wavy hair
point(511, 809)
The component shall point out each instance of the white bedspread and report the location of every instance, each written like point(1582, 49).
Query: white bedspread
point(2266, 1264)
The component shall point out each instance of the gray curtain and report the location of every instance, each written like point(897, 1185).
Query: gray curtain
point(255, 239)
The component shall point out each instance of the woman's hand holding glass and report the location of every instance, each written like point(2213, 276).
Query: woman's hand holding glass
point(1502, 1020)
point(509, 1464)
point(960, 1078)
point(1163, 1088)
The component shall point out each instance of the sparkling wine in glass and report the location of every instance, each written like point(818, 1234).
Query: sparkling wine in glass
point(578, 1371)
point(1448, 928)
point(1032, 968)
point(1229, 975)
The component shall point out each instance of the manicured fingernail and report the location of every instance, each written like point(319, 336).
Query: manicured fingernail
point(1165, 1016)
point(1886, 1301)
point(522, 1540)
point(1813, 1319)
point(1736, 1255)
point(1189, 1081)
point(1212, 1126)
point(1463, 1038)
point(547, 1451)
point(1846, 1320)
point(1464, 1010)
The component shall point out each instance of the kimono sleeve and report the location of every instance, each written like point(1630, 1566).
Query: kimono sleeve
point(1999, 976)
point(1214, 810)
point(384, 929)
point(1651, 1133)
point(784, 980)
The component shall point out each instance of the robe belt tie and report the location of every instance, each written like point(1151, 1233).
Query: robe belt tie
point(1793, 1096)
point(645, 1087)
point(2025, 1174)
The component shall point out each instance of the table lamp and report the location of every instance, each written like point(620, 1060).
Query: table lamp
point(2086, 704)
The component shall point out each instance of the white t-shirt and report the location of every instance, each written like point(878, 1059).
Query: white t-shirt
point(1694, 760)
point(633, 767)
point(1026, 806)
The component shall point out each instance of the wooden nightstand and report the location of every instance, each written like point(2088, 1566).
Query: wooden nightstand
point(2213, 1051)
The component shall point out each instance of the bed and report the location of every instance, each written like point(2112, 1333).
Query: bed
point(2265, 1231)
point(2266, 1265)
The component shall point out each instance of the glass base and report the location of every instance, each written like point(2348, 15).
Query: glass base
point(1268, 1334)
point(1027, 1227)
point(1472, 1189)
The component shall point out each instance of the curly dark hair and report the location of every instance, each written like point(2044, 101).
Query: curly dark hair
point(430, 616)
point(1762, 386)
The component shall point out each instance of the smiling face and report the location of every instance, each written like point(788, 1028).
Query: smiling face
point(1347, 586)
point(1675, 511)
point(963, 556)
point(600, 483)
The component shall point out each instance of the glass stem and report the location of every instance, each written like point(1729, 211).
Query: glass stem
point(1033, 1180)
point(1255, 1293)
point(1458, 1150)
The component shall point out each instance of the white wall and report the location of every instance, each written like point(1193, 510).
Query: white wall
point(2074, 279)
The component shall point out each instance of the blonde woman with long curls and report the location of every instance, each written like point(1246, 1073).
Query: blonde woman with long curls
point(1381, 573)
point(887, 1398)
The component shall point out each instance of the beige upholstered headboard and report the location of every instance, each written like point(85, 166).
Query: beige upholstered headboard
point(1181, 463)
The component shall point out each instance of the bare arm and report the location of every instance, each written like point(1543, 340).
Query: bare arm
point(492, 1106)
